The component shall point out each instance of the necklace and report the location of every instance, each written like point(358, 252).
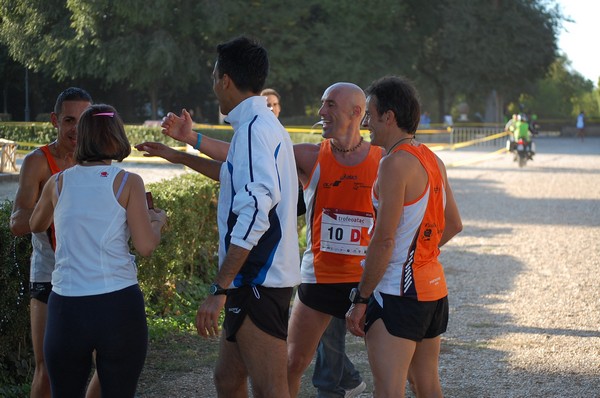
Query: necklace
point(354, 148)
point(398, 142)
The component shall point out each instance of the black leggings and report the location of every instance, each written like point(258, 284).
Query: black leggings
point(113, 324)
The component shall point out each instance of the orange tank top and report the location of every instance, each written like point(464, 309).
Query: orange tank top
point(338, 217)
point(414, 270)
point(53, 169)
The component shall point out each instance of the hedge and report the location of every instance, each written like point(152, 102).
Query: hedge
point(16, 355)
point(174, 279)
point(188, 252)
point(179, 270)
point(32, 134)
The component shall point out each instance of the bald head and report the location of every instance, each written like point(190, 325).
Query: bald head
point(347, 94)
point(342, 110)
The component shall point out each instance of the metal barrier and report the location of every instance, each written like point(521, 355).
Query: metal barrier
point(488, 137)
point(8, 155)
point(485, 137)
point(461, 137)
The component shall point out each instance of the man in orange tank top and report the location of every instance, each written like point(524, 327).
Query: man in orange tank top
point(401, 302)
point(36, 169)
point(337, 176)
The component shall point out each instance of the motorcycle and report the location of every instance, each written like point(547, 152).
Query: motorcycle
point(521, 150)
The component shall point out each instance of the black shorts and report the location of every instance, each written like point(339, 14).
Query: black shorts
point(267, 307)
point(40, 291)
point(329, 298)
point(408, 318)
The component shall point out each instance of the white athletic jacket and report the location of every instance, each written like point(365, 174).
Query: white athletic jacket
point(258, 196)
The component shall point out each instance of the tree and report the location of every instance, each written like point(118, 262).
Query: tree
point(8, 68)
point(150, 45)
point(562, 93)
point(472, 47)
point(165, 50)
point(315, 43)
point(159, 49)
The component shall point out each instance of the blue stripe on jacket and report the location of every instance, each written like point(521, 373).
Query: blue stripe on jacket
point(260, 258)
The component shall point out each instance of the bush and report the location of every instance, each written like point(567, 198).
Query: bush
point(188, 253)
point(174, 279)
point(16, 352)
point(30, 135)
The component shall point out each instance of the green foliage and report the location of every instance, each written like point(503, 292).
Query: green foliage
point(189, 246)
point(14, 390)
point(151, 45)
point(16, 355)
point(159, 328)
point(159, 49)
point(589, 102)
point(472, 47)
point(563, 93)
point(38, 134)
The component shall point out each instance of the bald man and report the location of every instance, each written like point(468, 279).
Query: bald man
point(337, 175)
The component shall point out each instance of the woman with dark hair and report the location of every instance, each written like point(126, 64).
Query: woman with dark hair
point(96, 302)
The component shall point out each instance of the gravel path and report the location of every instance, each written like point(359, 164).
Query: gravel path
point(523, 277)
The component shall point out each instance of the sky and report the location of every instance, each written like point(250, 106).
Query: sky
point(579, 40)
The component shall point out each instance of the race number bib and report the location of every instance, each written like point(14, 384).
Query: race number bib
point(345, 232)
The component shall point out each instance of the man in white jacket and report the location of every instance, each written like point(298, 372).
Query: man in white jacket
point(258, 246)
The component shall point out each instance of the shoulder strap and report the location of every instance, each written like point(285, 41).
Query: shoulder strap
point(123, 181)
point(56, 178)
point(51, 162)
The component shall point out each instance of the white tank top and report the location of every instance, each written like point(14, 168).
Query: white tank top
point(92, 250)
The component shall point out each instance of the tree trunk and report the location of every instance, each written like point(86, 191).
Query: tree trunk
point(441, 97)
point(153, 93)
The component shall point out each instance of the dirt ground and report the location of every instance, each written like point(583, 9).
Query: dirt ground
point(523, 278)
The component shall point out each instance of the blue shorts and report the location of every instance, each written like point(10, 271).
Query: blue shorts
point(408, 318)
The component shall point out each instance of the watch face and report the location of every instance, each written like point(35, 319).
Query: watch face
point(355, 297)
point(216, 290)
point(353, 294)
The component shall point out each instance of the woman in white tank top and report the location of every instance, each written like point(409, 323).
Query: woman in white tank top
point(96, 303)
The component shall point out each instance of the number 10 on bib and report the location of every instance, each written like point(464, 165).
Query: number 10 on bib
point(345, 232)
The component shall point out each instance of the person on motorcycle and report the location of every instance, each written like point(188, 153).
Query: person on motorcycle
point(522, 131)
point(510, 125)
point(510, 129)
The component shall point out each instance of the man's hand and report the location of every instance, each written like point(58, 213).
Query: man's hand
point(355, 319)
point(207, 317)
point(158, 149)
point(179, 127)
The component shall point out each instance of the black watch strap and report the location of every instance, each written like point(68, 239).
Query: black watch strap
point(356, 298)
point(215, 289)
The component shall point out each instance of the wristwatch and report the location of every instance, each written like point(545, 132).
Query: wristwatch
point(355, 297)
point(215, 289)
